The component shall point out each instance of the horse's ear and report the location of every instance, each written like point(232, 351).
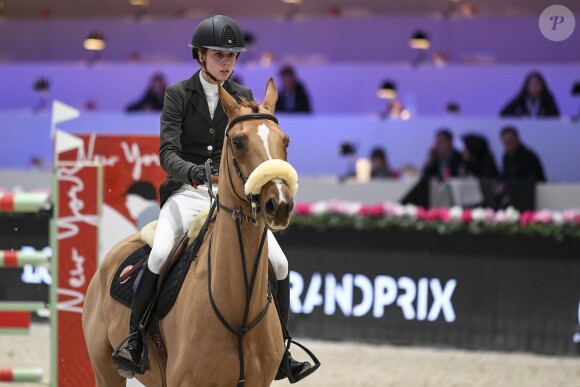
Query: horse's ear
point(271, 96)
point(231, 106)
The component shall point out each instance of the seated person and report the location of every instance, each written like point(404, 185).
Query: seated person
point(379, 165)
point(522, 169)
point(443, 160)
point(292, 97)
point(154, 95)
point(479, 161)
point(533, 100)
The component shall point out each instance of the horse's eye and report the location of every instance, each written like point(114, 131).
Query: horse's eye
point(238, 144)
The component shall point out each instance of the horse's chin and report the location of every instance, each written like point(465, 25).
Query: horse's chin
point(277, 227)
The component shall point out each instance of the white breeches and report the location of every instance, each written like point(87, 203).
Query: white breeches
point(176, 218)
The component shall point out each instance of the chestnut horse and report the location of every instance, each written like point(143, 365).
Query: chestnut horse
point(201, 349)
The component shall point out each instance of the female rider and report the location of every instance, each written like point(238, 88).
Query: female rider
point(193, 126)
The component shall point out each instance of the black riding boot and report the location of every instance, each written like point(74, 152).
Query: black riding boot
point(296, 367)
point(128, 359)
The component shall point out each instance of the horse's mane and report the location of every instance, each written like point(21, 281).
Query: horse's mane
point(254, 105)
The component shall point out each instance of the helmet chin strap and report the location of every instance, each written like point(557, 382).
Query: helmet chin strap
point(209, 74)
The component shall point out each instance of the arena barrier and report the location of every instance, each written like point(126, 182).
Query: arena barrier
point(488, 291)
point(14, 322)
point(21, 375)
point(15, 316)
point(24, 202)
point(73, 232)
point(10, 258)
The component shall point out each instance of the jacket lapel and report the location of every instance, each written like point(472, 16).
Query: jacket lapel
point(198, 98)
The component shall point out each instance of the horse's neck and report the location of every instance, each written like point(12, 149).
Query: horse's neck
point(228, 284)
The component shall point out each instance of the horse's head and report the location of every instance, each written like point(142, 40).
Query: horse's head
point(256, 148)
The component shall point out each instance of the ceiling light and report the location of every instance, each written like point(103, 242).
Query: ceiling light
point(388, 90)
point(140, 3)
point(94, 42)
point(419, 41)
point(292, 1)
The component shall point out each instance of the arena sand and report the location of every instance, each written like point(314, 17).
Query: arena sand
point(362, 365)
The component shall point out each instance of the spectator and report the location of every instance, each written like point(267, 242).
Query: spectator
point(348, 151)
point(521, 171)
point(519, 162)
point(452, 108)
point(443, 160)
point(479, 161)
point(533, 100)
point(292, 97)
point(379, 164)
point(153, 98)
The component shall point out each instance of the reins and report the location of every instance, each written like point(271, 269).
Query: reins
point(239, 217)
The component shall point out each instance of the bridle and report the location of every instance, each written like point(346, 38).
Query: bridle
point(253, 200)
point(239, 217)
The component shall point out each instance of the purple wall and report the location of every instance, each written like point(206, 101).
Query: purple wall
point(515, 39)
point(315, 141)
point(337, 88)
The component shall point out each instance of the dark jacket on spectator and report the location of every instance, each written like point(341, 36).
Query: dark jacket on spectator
point(150, 101)
point(518, 107)
point(454, 167)
point(523, 165)
point(481, 162)
point(293, 102)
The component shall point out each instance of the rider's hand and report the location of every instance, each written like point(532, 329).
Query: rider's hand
point(197, 174)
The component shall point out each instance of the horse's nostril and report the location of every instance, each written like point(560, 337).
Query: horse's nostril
point(291, 206)
point(271, 207)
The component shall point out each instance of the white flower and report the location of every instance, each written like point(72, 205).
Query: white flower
point(512, 215)
point(558, 218)
point(478, 214)
point(455, 213)
point(411, 211)
point(353, 208)
point(319, 208)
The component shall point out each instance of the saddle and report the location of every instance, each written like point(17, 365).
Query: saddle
point(123, 287)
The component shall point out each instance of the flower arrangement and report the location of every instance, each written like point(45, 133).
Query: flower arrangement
point(334, 214)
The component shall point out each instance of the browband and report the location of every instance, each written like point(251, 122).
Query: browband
point(252, 116)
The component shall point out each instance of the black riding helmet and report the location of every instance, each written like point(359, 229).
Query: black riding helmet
point(220, 33)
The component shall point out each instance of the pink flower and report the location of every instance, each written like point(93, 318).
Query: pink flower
point(434, 214)
point(571, 216)
point(466, 217)
point(344, 208)
point(499, 217)
point(443, 215)
point(394, 209)
point(372, 210)
point(302, 208)
point(544, 216)
point(527, 218)
point(488, 215)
